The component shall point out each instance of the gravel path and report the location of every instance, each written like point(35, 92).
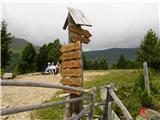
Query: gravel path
point(22, 96)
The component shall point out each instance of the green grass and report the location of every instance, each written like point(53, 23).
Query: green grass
point(124, 81)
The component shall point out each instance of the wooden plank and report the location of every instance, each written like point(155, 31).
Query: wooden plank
point(71, 81)
point(13, 110)
point(73, 28)
point(120, 105)
point(82, 39)
point(70, 47)
point(146, 77)
point(71, 56)
point(71, 72)
point(25, 83)
point(71, 91)
point(71, 64)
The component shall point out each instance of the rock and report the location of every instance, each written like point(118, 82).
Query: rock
point(149, 115)
point(8, 76)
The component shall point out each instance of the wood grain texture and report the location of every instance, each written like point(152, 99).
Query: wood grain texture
point(71, 72)
point(82, 39)
point(70, 47)
point(72, 92)
point(71, 81)
point(71, 64)
point(79, 30)
point(71, 56)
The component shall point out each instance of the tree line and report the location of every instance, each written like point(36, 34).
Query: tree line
point(32, 61)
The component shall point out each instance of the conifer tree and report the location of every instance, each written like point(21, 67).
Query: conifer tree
point(27, 60)
point(6, 39)
point(150, 48)
point(122, 63)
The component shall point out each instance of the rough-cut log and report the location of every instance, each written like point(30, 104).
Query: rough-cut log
point(120, 105)
point(71, 64)
point(80, 31)
point(9, 111)
point(71, 72)
point(71, 56)
point(71, 47)
point(36, 84)
point(72, 91)
point(82, 113)
point(71, 81)
point(146, 77)
point(81, 38)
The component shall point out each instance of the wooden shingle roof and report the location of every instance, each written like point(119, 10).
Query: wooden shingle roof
point(78, 17)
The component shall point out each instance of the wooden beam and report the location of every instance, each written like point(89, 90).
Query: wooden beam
point(71, 56)
point(71, 81)
point(9, 111)
point(146, 77)
point(25, 83)
point(120, 105)
point(75, 29)
point(70, 47)
point(71, 64)
point(82, 39)
point(71, 72)
point(72, 92)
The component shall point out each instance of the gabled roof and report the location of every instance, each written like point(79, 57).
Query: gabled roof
point(78, 17)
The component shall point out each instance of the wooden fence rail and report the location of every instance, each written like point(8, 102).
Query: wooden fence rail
point(107, 115)
point(9, 111)
point(45, 85)
point(18, 83)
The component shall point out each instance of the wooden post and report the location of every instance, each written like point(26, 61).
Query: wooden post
point(93, 99)
point(108, 106)
point(146, 77)
point(75, 107)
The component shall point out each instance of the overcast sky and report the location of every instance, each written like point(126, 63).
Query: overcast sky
point(117, 24)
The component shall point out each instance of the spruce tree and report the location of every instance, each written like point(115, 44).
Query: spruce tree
point(122, 63)
point(103, 65)
point(27, 60)
point(42, 58)
point(150, 48)
point(54, 52)
point(6, 39)
point(48, 53)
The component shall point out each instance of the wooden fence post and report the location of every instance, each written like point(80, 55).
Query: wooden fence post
point(146, 77)
point(107, 115)
point(93, 99)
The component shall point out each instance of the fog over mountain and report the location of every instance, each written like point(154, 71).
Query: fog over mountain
point(118, 24)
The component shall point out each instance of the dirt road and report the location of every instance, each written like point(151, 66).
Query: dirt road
point(22, 96)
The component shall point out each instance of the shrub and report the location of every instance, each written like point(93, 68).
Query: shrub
point(141, 92)
point(146, 99)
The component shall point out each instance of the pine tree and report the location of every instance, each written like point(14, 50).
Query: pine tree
point(48, 53)
point(6, 39)
point(122, 63)
point(54, 52)
point(27, 60)
point(150, 50)
point(103, 65)
point(42, 58)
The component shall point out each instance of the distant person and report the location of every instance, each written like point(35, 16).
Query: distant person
point(53, 68)
point(57, 68)
point(47, 70)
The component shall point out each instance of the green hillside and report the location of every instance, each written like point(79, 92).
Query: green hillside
point(113, 54)
point(18, 45)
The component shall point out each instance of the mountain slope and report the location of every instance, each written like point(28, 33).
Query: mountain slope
point(18, 45)
point(113, 54)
